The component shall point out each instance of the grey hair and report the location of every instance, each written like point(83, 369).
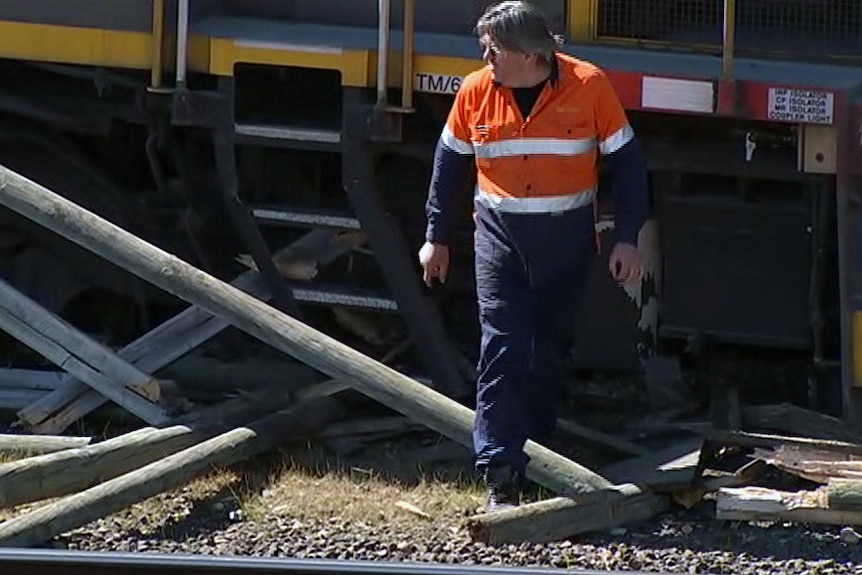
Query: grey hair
point(520, 27)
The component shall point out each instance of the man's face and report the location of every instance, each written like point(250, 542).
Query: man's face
point(507, 66)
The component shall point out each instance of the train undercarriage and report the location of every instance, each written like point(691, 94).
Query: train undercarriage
point(743, 244)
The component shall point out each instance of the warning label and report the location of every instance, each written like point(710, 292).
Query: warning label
point(803, 106)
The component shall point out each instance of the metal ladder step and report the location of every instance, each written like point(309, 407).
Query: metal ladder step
point(279, 215)
point(348, 297)
point(279, 135)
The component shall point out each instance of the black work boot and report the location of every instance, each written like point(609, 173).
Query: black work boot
point(504, 487)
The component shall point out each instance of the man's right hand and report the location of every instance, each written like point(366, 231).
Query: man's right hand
point(435, 261)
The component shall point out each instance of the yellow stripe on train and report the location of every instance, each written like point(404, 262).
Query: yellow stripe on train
point(218, 56)
point(856, 329)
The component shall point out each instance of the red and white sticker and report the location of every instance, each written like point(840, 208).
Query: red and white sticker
point(801, 106)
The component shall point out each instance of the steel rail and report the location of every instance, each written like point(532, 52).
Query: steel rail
point(54, 562)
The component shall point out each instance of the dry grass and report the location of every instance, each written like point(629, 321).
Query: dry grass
point(281, 486)
point(286, 487)
point(8, 457)
point(355, 494)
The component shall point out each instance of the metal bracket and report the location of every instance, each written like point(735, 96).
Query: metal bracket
point(386, 125)
point(194, 108)
point(750, 146)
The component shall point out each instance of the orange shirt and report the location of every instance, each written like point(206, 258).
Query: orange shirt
point(547, 161)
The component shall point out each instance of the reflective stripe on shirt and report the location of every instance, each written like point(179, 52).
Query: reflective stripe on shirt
point(526, 146)
point(534, 205)
point(454, 144)
point(617, 140)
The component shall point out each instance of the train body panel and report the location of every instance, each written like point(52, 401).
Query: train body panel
point(746, 142)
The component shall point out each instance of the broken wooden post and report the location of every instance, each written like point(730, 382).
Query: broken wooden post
point(561, 517)
point(72, 470)
point(167, 342)
point(64, 472)
point(261, 320)
point(77, 510)
point(38, 444)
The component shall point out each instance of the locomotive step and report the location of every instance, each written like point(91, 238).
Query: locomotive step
point(277, 135)
point(281, 216)
point(343, 296)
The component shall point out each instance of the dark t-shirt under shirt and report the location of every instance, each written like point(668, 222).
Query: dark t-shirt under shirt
point(526, 97)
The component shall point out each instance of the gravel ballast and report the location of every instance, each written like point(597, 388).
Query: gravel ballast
point(677, 542)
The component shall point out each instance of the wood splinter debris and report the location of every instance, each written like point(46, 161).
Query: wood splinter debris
point(838, 503)
point(410, 508)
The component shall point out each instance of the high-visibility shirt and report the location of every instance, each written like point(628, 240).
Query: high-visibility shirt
point(544, 163)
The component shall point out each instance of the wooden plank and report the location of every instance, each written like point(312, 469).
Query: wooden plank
point(285, 333)
point(371, 426)
point(30, 379)
point(38, 444)
point(60, 421)
point(73, 511)
point(601, 438)
point(169, 341)
point(762, 504)
point(57, 333)
point(560, 517)
point(795, 420)
point(15, 399)
point(746, 439)
point(668, 469)
point(84, 358)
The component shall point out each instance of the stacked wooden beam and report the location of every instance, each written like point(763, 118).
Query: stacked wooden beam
point(217, 304)
point(107, 476)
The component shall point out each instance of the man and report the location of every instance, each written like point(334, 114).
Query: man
point(533, 121)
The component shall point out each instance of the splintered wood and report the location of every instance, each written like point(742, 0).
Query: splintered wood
point(826, 505)
point(825, 460)
point(814, 465)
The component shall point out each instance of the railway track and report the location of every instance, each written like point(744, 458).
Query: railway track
point(50, 562)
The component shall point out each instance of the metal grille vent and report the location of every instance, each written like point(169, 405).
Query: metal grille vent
point(794, 26)
point(690, 21)
point(813, 26)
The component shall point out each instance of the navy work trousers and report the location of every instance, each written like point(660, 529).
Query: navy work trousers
point(531, 271)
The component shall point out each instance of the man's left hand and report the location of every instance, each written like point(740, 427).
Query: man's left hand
point(625, 263)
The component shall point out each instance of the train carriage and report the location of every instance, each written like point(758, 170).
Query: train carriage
point(217, 128)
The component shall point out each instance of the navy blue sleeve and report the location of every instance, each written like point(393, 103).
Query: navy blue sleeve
point(627, 169)
point(450, 171)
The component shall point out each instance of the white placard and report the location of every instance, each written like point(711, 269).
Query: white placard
point(436, 83)
point(678, 95)
point(803, 106)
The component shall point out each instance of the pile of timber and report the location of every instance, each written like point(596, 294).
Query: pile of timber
point(95, 375)
point(91, 480)
point(743, 473)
